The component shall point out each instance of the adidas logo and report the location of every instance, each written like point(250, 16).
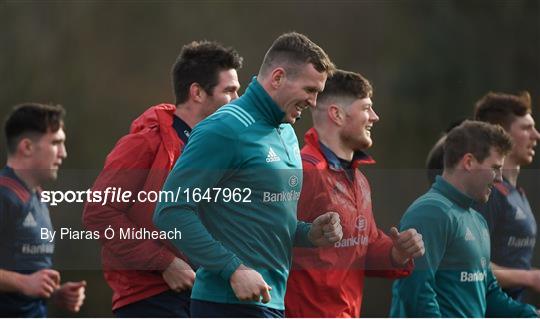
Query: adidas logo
point(272, 156)
point(29, 221)
point(520, 215)
point(469, 235)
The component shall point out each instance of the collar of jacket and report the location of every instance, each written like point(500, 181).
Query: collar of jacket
point(263, 103)
point(359, 157)
point(452, 193)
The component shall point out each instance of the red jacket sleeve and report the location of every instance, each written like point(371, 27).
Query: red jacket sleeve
point(127, 168)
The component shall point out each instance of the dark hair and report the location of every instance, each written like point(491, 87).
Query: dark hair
point(502, 108)
point(345, 84)
point(477, 138)
point(293, 49)
point(435, 158)
point(200, 62)
point(31, 118)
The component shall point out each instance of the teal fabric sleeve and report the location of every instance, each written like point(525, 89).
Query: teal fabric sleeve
point(499, 304)
point(301, 238)
point(198, 167)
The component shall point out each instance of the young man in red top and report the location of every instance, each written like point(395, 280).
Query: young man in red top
point(328, 282)
point(150, 277)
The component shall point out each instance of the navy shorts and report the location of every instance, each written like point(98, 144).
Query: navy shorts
point(165, 304)
point(207, 309)
point(16, 305)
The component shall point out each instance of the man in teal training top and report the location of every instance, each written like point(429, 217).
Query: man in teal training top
point(239, 180)
point(453, 278)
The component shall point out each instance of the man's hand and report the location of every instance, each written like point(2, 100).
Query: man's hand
point(249, 285)
point(179, 275)
point(407, 244)
point(70, 296)
point(40, 284)
point(325, 230)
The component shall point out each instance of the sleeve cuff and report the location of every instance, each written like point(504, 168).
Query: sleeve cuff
point(165, 259)
point(230, 268)
point(408, 266)
point(301, 238)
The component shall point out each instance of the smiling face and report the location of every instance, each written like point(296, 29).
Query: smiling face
point(299, 91)
point(484, 174)
point(525, 137)
point(359, 119)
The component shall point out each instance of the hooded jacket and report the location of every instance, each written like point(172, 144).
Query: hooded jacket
point(328, 282)
point(140, 161)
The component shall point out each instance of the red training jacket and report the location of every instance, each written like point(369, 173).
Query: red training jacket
point(328, 282)
point(141, 160)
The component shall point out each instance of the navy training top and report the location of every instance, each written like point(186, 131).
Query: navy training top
point(22, 216)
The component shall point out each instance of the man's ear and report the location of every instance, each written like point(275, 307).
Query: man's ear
point(277, 77)
point(196, 93)
point(469, 162)
point(25, 147)
point(336, 114)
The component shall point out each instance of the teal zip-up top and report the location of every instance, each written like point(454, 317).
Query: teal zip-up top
point(242, 149)
point(453, 278)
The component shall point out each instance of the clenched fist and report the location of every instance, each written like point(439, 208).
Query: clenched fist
point(179, 276)
point(249, 285)
point(326, 230)
point(407, 244)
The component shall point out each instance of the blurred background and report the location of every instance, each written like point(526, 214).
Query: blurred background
point(429, 61)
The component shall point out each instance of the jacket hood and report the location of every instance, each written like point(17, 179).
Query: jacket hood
point(159, 115)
